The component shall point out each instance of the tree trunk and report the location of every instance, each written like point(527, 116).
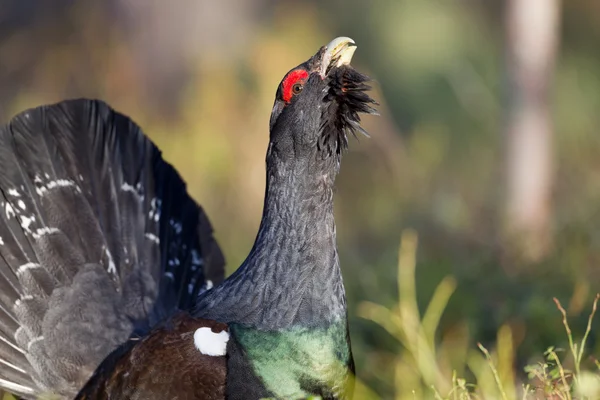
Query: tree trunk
point(532, 35)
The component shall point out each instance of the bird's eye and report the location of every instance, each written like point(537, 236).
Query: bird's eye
point(297, 88)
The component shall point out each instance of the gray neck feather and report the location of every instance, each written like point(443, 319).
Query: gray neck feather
point(292, 275)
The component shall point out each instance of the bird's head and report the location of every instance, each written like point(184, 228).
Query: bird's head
point(318, 104)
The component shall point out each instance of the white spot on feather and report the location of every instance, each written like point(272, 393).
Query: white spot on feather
point(211, 343)
point(14, 192)
point(10, 211)
point(126, 253)
point(196, 259)
point(21, 204)
point(44, 231)
point(155, 207)
point(152, 237)
point(1, 241)
point(177, 227)
point(60, 183)
point(126, 187)
point(112, 268)
point(22, 299)
point(209, 284)
point(26, 221)
point(57, 183)
point(27, 266)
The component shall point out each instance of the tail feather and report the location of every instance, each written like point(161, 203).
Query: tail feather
point(11, 355)
point(98, 239)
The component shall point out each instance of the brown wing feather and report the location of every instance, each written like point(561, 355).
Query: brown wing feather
point(137, 370)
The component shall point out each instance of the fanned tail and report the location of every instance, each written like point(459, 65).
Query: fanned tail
point(98, 239)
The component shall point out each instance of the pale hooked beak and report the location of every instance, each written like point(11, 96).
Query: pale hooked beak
point(337, 53)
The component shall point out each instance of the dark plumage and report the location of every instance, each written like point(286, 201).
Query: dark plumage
point(119, 247)
point(175, 345)
point(98, 240)
point(346, 99)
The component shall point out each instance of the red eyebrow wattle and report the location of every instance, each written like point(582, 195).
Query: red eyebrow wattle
point(290, 80)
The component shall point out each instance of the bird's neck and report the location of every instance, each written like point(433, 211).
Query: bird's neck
point(298, 218)
point(292, 275)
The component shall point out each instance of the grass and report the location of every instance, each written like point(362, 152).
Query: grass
point(431, 367)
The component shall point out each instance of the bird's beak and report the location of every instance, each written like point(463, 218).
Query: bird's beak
point(337, 53)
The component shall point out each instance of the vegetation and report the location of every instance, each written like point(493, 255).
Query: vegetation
point(444, 369)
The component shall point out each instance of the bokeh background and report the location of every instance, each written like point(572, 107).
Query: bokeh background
point(487, 148)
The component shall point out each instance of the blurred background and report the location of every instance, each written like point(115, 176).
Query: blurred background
point(487, 149)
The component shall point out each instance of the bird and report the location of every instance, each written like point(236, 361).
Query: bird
point(112, 285)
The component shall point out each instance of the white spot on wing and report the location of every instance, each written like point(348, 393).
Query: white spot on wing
point(209, 284)
point(196, 259)
point(27, 266)
point(1, 241)
point(14, 192)
point(44, 231)
point(21, 204)
point(22, 299)
point(155, 209)
point(176, 226)
point(112, 268)
point(126, 187)
point(210, 343)
point(26, 221)
point(153, 237)
point(10, 211)
point(57, 183)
